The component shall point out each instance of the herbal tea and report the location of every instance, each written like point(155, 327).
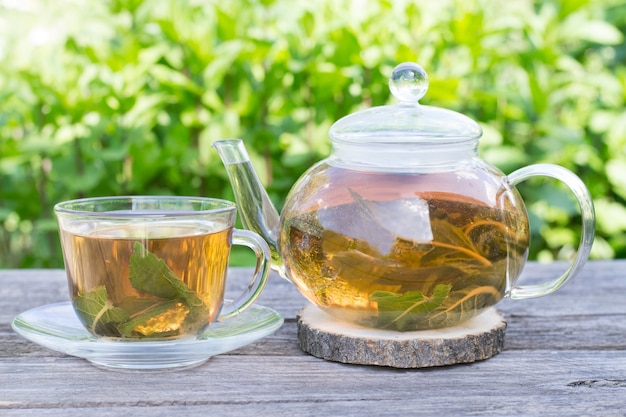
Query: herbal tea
point(142, 280)
point(367, 263)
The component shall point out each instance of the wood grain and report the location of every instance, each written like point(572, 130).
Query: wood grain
point(564, 355)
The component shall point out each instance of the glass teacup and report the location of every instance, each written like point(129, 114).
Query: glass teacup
point(154, 268)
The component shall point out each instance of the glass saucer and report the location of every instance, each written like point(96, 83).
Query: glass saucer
point(56, 327)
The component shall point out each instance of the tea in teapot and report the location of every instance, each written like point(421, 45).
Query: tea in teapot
point(420, 262)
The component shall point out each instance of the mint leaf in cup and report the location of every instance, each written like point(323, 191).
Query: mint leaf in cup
point(96, 310)
point(151, 275)
point(170, 307)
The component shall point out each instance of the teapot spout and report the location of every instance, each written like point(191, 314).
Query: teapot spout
point(255, 207)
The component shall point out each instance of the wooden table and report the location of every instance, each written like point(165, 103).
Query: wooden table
point(565, 355)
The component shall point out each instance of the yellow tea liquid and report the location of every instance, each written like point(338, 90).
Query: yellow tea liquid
point(406, 264)
point(147, 280)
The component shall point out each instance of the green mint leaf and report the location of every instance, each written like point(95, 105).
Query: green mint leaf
point(403, 311)
point(196, 318)
point(96, 310)
point(151, 275)
point(141, 310)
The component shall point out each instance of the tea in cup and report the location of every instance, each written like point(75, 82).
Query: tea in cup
point(154, 268)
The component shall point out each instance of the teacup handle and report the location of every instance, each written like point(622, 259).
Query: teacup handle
point(585, 204)
point(259, 278)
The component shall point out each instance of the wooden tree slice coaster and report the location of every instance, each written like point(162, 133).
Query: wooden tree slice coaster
point(326, 337)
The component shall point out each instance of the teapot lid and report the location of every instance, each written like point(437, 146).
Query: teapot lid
point(408, 121)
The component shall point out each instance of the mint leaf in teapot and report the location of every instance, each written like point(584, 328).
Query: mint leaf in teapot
point(414, 310)
point(403, 311)
point(452, 245)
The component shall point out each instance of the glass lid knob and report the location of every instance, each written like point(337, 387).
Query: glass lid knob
point(408, 82)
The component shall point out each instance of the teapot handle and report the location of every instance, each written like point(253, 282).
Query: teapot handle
point(585, 204)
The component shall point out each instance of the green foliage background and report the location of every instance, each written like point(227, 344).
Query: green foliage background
point(120, 97)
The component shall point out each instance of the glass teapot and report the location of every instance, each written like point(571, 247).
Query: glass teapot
point(402, 227)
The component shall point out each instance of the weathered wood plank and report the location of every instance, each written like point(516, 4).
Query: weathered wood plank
point(553, 382)
point(564, 355)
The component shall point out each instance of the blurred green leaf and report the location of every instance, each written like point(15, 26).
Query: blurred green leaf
point(126, 97)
